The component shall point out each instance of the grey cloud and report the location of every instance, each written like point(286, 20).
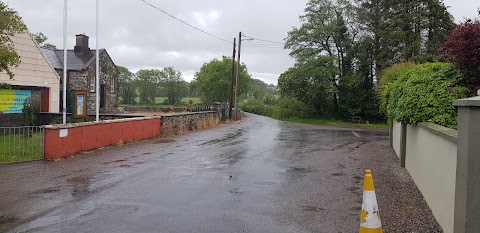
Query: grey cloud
point(138, 36)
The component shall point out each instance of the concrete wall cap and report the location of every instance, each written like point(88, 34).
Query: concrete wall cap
point(468, 102)
point(74, 125)
point(444, 132)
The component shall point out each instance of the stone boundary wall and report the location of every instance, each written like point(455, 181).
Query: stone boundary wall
point(431, 160)
point(176, 124)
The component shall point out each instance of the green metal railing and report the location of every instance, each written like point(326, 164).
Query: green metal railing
point(21, 143)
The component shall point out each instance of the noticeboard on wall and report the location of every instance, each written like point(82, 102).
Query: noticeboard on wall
point(12, 101)
point(80, 104)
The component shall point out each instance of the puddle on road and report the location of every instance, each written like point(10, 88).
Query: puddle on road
point(46, 190)
point(8, 219)
point(300, 170)
point(338, 174)
point(313, 209)
point(80, 186)
point(162, 141)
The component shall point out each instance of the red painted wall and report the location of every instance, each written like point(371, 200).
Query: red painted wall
point(87, 137)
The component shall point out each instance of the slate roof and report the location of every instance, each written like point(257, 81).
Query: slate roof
point(75, 61)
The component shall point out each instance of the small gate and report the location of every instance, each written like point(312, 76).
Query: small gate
point(21, 143)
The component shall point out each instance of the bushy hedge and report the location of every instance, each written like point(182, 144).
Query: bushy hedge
point(257, 107)
point(286, 108)
point(424, 93)
point(387, 78)
point(289, 108)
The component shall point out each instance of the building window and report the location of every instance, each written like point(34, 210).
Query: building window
point(112, 85)
point(92, 84)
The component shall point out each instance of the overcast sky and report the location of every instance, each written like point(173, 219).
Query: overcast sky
point(139, 37)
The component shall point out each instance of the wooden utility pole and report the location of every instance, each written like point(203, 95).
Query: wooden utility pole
point(238, 75)
point(230, 103)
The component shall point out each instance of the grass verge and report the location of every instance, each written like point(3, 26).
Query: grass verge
point(15, 148)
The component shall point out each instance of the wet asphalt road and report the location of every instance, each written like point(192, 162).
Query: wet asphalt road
point(261, 175)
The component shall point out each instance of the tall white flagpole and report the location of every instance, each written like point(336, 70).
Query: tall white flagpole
point(65, 70)
point(97, 82)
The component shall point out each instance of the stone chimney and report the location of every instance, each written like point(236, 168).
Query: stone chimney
point(82, 44)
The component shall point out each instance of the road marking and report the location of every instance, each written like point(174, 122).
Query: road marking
point(356, 134)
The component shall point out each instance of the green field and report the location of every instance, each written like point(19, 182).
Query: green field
point(160, 100)
point(16, 148)
point(337, 122)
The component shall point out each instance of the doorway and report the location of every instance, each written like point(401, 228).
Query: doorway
point(45, 100)
point(103, 96)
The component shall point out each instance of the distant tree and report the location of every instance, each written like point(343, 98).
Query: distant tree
point(127, 87)
point(10, 24)
point(40, 38)
point(148, 82)
point(212, 81)
point(262, 91)
point(463, 49)
point(173, 86)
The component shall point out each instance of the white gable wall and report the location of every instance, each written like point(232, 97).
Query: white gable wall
point(34, 69)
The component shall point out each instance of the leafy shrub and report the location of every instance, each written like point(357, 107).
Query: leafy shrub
point(257, 107)
point(29, 114)
point(286, 108)
point(289, 108)
point(425, 93)
point(388, 77)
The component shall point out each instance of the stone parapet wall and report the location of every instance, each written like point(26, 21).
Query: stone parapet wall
point(177, 124)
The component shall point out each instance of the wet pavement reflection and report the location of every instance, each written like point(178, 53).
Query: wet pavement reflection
point(260, 175)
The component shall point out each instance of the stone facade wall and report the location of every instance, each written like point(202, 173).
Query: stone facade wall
point(182, 123)
point(11, 120)
point(81, 81)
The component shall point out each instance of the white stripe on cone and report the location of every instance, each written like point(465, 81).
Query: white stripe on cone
point(372, 221)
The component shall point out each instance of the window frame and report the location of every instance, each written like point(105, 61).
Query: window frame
point(92, 84)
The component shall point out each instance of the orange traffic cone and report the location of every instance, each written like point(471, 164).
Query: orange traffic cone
point(370, 216)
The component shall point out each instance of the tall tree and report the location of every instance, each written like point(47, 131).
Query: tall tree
point(127, 87)
point(10, 24)
point(212, 81)
point(325, 38)
point(174, 86)
point(403, 30)
point(41, 38)
point(148, 82)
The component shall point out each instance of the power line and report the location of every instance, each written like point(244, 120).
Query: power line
point(268, 41)
point(198, 29)
point(263, 44)
point(170, 55)
point(267, 47)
